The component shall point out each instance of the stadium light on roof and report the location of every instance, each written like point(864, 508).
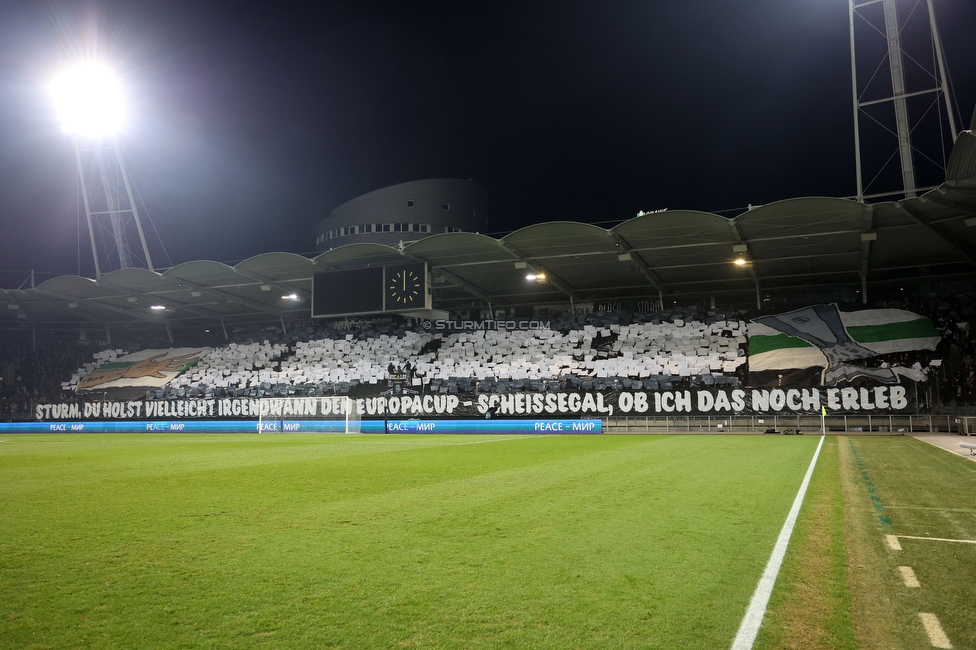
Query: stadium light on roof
point(89, 101)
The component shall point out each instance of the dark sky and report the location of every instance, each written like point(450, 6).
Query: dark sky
point(251, 121)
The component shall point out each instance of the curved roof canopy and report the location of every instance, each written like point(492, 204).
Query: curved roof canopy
point(789, 244)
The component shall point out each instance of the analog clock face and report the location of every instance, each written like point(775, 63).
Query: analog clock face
point(404, 289)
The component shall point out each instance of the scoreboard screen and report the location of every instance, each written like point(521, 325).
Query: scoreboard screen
point(356, 292)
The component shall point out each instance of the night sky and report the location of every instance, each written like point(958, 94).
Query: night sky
point(250, 122)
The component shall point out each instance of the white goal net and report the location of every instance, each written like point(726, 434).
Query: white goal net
point(308, 415)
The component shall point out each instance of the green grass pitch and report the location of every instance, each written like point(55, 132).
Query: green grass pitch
point(387, 541)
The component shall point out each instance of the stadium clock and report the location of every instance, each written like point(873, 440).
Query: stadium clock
point(405, 287)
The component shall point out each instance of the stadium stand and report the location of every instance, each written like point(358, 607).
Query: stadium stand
point(586, 351)
point(28, 375)
point(674, 348)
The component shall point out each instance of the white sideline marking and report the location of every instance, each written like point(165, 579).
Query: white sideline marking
point(937, 636)
point(909, 577)
point(937, 539)
point(749, 628)
point(893, 542)
point(888, 507)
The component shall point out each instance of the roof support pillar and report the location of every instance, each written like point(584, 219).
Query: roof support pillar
point(751, 261)
point(230, 297)
point(642, 266)
point(968, 251)
point(867, 236)
point(173, 304)
point(108, 335)
point(550, 277)
point(169, 333)
point(281, 286)
point(962, 207)
point(133, 313)
point(464, 284)
point(453, 279)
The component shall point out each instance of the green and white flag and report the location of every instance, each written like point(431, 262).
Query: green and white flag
point(881, 331)
point(145, 369)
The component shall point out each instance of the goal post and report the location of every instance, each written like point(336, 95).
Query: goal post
point(308, 415)
point(354, 421)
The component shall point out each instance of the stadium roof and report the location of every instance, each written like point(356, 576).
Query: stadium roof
point(789, 244)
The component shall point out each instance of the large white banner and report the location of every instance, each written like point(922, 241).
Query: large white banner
point(739, 401)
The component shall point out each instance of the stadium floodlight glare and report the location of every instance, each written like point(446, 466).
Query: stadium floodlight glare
point(740, 261)
point(89, 101)
point(158, 307)
point(536, 277)
point(290, 296)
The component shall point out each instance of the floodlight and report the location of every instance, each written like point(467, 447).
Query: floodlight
point(158, 307)
point(739, 261)
point(88, 100)
point(290, 296)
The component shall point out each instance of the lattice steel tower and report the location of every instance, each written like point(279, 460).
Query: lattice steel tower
point(90, 104)
point(905, 115)
point(113, 218)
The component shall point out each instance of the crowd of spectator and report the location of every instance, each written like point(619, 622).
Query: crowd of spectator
point(32, 372)
point(951, 367)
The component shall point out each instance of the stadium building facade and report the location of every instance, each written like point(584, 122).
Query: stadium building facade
point(406, 212)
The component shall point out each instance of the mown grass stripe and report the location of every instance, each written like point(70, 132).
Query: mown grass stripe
point(749, 628)
point(869, 485)
point(322, 541)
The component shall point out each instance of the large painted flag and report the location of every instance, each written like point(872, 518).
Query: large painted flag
point(145, 369)
point(804, 338)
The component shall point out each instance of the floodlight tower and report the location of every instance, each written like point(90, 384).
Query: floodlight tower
point(917, 77)
point(90, 105)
